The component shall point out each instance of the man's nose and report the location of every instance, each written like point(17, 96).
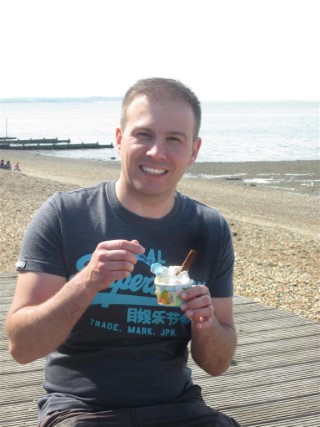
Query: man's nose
point(157, 149)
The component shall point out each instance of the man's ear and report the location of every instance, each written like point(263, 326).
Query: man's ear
point(118, 139)
point(195, 150)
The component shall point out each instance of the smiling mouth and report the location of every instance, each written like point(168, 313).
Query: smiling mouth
point(153, 171)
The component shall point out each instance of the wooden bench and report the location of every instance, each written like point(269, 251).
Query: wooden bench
point(273, 381)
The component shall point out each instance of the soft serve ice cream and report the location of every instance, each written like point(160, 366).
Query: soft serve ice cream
point(171, 281)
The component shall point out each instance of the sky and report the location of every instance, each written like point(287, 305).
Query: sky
point(222, 49)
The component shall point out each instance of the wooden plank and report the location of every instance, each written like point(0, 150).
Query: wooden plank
point(247, 379)
point(273, 381)
point(292, 411)
point(303, 421)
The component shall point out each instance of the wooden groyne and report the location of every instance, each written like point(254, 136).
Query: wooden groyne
point(9, 143)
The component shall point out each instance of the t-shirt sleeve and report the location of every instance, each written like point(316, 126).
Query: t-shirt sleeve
point(222, 285)
point(41, 249)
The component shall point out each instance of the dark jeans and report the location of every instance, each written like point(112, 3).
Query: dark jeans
point(189, 410)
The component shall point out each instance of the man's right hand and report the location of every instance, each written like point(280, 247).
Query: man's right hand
point(112, 260)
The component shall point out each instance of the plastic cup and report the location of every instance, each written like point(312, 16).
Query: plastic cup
point(168, 294)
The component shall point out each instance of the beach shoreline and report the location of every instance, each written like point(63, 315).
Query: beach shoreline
point(302, 176)
point(275, 228)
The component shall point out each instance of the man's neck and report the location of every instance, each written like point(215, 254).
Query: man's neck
point(147, 206)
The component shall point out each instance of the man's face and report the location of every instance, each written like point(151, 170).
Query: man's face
point(156, 146)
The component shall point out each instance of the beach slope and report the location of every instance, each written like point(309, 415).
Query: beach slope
point(275, 228)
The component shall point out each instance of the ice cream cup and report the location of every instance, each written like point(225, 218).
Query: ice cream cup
point(168, 294)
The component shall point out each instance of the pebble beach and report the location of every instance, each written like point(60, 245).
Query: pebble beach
point(272, 209)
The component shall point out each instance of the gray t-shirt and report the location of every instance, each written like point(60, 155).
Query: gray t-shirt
point(125, 350)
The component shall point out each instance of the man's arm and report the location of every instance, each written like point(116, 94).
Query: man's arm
point(43, 312)
point(45, 308)
point(214, 337)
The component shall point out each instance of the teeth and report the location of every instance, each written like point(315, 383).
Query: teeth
point(153, 171)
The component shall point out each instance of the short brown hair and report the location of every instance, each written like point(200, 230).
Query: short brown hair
point(159, 88)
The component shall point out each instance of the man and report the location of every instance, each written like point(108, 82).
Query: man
point(85, 293)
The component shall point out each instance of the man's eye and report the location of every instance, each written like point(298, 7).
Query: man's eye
point(173, 139)
point(143, 134)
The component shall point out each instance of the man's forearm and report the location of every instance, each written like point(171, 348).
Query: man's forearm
point(35, 331)
point(45, 309)
point(213, 347)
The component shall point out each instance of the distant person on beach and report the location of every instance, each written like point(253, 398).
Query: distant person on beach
point(85, 293)
point(17, 167)
point(8, 165)
point(2, 164)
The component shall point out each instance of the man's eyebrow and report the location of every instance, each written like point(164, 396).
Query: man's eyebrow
point(137, 128)
point(169, 133)
point(176, 132)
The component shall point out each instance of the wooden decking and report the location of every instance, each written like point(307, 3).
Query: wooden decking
point(274, 380)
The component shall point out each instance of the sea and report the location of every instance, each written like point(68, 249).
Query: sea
point(230, 131)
